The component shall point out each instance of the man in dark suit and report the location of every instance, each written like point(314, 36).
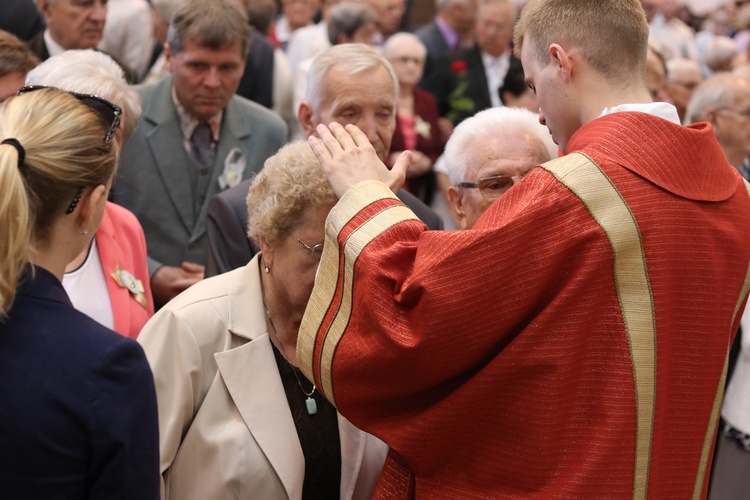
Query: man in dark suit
point(467, 81)
point(451, 30)
point(349, 83)
point(195, 139)
point(72, 25)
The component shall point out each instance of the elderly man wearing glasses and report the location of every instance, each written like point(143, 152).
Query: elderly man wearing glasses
point(490, 152)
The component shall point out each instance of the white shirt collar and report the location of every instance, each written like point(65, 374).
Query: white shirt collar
point(661, 109)
point(54, 48)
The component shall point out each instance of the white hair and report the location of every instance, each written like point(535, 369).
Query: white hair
point(715, 92)
point(488, 123)
point(679, 66)
point(352, 58)
point(720, 52)
point(90, 72)
point(398, 39)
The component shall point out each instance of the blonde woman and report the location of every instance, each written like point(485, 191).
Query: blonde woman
point(77, 404)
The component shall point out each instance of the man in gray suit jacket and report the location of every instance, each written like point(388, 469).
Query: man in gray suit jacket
point(195, 139)
point(348, 83)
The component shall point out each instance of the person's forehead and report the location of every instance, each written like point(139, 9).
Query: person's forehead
point(193, 47)
point(509, 151)
point(370, 84)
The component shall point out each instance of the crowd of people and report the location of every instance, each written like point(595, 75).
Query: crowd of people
point(314, 249)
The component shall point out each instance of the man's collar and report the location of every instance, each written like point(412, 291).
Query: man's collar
point(661, 109)
point(452, 39)
point(54, 48)
point(488, 59)
point(188, 122)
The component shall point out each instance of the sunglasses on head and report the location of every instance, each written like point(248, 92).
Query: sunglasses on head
point(108, 111)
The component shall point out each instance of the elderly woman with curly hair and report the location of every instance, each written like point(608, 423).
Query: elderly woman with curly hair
point(236, 416)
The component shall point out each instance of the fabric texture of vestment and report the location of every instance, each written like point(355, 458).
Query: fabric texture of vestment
point(224, 420)
point(78, 414)
point(154, 177)
point(572, 344)
point(226, 227)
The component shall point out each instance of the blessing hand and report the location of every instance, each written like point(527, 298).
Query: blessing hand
point(348, 158)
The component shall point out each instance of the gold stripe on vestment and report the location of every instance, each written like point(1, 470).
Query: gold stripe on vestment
point(588, 182)
point(328, 280)
point(713, 422)
point(353, 247)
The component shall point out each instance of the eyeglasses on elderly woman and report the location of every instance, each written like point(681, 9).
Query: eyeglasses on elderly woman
point(109, 112)
point(492, 186)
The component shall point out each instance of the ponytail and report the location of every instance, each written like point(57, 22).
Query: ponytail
point(51, 146)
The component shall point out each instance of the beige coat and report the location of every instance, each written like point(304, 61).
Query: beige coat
point(226, 430)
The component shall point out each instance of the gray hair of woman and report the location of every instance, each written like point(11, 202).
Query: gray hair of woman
point(346, 18)
point(291, 181)
point(91, 72)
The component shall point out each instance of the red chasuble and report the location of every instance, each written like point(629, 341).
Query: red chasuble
point(572, 345)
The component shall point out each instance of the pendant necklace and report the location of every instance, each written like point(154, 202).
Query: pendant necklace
point(310, 403)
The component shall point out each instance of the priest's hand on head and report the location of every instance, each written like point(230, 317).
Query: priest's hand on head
point(348, 158)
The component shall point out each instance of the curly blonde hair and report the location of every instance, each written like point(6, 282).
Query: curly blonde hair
point(291, 181)
point(63, 141)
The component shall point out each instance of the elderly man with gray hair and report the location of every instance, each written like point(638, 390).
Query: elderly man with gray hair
point(195, 139)
point(724, 101)
point(490, 152)
point(348, 83)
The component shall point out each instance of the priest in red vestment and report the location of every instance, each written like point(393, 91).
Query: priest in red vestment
point(573, 343)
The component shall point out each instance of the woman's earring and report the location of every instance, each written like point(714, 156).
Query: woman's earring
point(266, 268)
point(85, 232)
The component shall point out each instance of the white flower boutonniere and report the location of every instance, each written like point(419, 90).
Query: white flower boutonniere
point(422, 127)
point(126, 280)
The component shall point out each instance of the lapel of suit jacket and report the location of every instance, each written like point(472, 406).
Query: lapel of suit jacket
point(110, 255)
point(478, 77)
point(167, 148)
point(234, 134)
point(252, 380)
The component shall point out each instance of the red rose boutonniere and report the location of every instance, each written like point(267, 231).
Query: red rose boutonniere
point(458, 67)
point(460, 104)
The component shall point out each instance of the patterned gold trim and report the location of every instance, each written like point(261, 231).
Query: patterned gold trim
point(327, 280)
point(713, 422)
point(586, 180)
point(354, 245)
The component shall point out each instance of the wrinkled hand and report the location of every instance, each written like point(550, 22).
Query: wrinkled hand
point(348, 158)
point(168, 281)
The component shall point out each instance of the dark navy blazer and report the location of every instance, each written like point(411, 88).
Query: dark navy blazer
point(78, 414)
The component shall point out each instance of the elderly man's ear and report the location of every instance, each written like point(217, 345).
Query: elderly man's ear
point(457, 204)
point(305, 117)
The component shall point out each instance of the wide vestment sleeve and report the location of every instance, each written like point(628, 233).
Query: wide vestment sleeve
point(569, 345)
point(404, 324)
